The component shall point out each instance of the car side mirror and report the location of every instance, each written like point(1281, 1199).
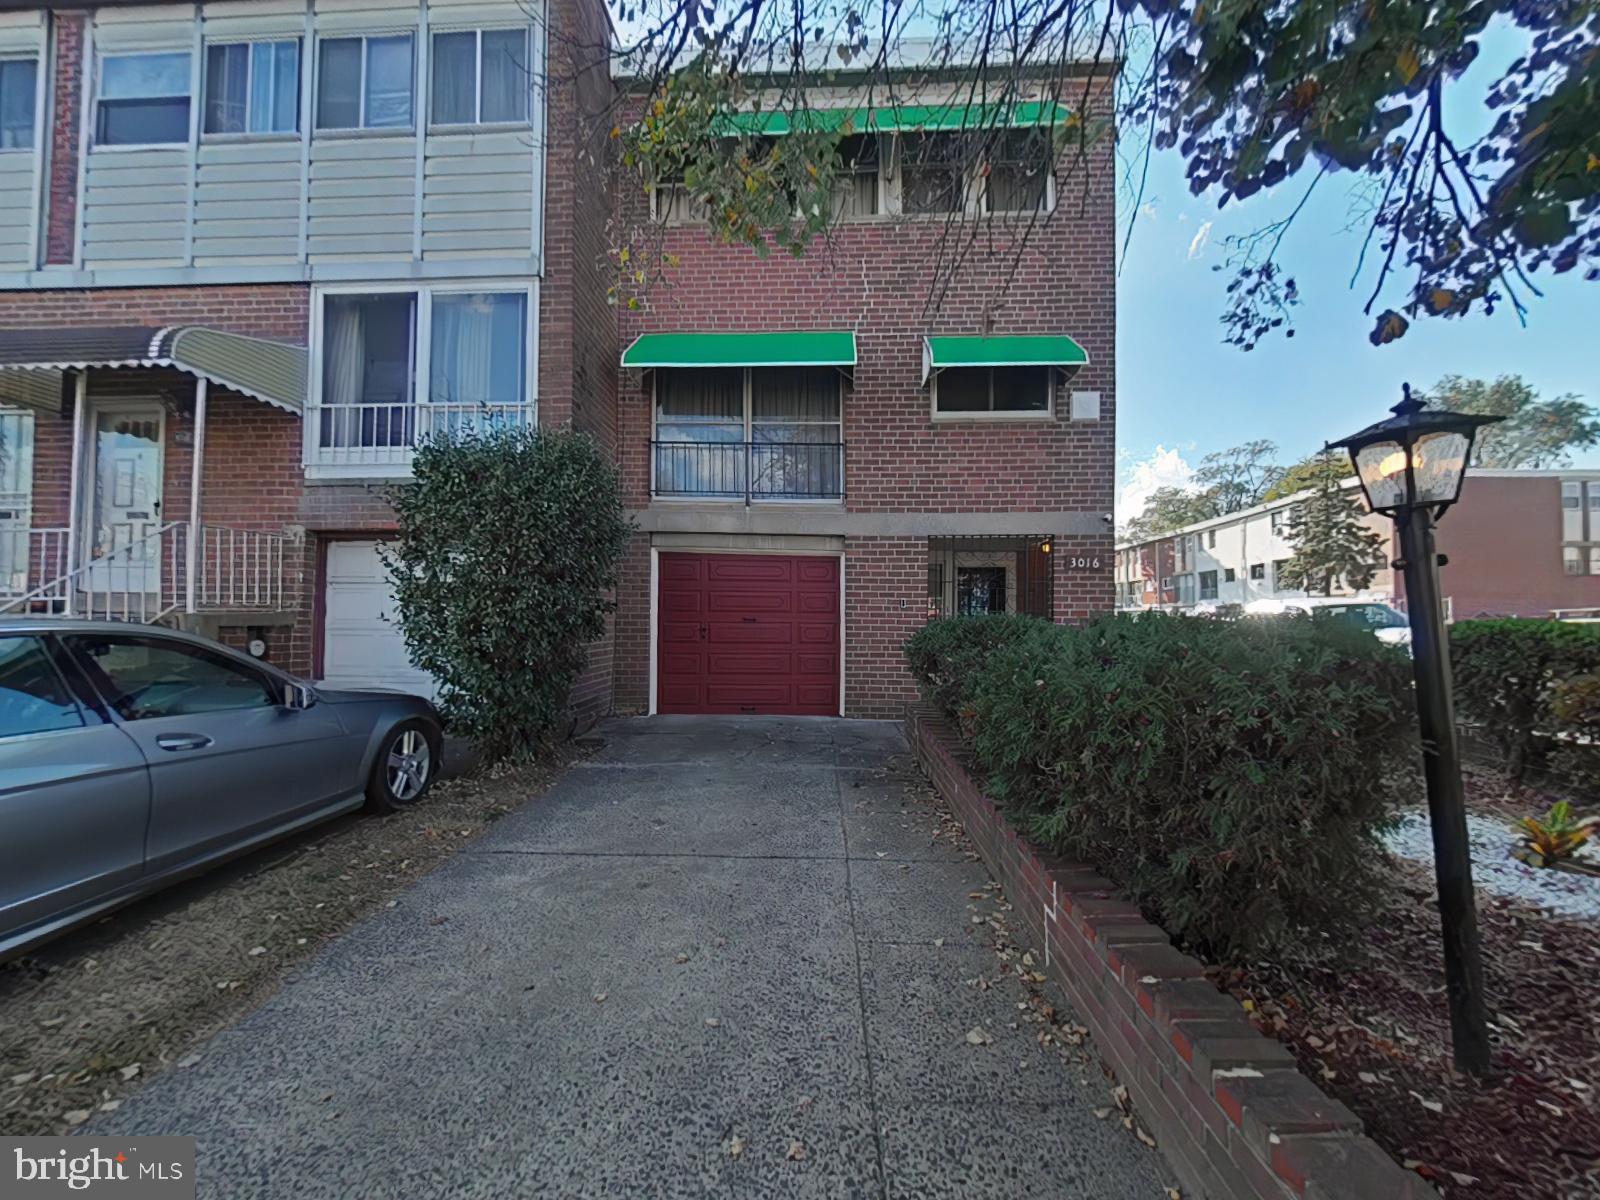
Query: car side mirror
point(298, 696)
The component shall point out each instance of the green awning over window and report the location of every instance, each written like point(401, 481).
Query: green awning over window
point(1023, 350)
point(907, 118)
point(783, 348)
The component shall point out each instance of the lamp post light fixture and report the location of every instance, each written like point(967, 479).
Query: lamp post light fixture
point(1411, 466)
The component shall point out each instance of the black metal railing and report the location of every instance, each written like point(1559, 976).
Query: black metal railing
point(748, 471)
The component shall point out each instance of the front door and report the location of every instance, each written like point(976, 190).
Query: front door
point(121, 542)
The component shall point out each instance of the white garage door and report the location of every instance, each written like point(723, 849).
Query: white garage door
point(362, 646)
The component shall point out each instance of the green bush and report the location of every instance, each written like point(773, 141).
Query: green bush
point(1507, 673)
point(503, 566)
point(1233, 776)
point(946, 655)
point(1575, 707)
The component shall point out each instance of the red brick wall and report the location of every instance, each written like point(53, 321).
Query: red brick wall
point(276, 311)
point(878, 278)
point(1503, 540)
point(62, 201)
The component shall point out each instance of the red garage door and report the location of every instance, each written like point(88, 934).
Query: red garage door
point(746, 633)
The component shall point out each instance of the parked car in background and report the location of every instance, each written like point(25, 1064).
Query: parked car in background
point(132, 756)
point(1385, 623)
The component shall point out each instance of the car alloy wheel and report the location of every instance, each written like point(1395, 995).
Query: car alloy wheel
point(410, 762)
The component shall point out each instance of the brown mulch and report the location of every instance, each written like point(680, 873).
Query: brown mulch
point(86, 1019)
point(1374, 1032)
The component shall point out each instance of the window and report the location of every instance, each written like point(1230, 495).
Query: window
point(19, 80)
point(1018, 175)
point(476, 369)
point(1208, 585)
point(1280, 519)
point(33, 698)
point(767, 433)
point(1594, 560)
point(143, 99)
point(147, 677)
point(980, 590)
point(857, 194)
point(1572, 511)
point(1229, 575)
point(1594, 512)
point(253, 87)
point(1278, 564)
point(932, 174)
point(1572, 560)
point(968, 391)
point(1258, 571)
point(481, 77)
point(1211, 539)
point(364, 83)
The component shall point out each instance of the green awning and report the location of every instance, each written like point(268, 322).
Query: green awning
point(907, 118)
point(780, 348)
point(1023, 350)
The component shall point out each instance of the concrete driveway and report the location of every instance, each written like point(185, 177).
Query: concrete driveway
point(717, 934)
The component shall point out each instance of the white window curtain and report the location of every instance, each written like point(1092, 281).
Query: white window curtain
point(367, 348)
point(478, 359)
point(455, 69)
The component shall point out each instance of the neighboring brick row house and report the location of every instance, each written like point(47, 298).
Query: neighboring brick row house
point(251, 251)
point(1522, 543)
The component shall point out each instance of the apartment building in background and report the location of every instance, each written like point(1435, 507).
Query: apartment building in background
point(1520, 543)
point(252, 251)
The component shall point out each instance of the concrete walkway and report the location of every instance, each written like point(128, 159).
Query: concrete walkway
point(719, 933)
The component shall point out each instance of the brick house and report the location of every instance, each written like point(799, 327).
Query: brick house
point(1522, 543)
point(252, 250)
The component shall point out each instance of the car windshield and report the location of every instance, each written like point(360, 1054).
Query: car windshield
point(1367, 616)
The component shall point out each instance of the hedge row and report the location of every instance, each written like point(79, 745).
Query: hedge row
point(1233, 776)
point(1533, 687)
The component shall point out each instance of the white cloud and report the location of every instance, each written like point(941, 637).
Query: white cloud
point(1198, 245)
point(1141, 477)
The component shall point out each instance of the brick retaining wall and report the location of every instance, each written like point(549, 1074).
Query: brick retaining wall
point(1227, 1106)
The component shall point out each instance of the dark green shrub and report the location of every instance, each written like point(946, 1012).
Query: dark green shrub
point(946, 654)
point(1233, 776)
point(1506, 672)
point(503, 566)
point(1575, 707)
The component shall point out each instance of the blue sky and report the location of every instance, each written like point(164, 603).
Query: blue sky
point(1182, 392)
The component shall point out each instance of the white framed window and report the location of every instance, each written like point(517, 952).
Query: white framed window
point(365, 82)
point(933, 173)
point(143, 99)
point(19, 88)
point(1006, 171)
point(1572, 560)
point(395, 364)
point(1571, 511)
point(859, 187)
point(1280, 520)
point(481, 77)
point(252, 87)
point(988, 393)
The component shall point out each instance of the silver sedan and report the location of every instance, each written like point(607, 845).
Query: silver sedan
point(132, 756)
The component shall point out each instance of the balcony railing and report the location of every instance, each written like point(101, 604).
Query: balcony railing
point(386, 435)
point(748, 471)
point(148, 577)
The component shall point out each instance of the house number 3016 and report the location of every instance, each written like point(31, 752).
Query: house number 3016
point(1084, 564)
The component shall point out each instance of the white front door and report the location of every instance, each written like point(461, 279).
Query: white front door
point(361, 642)
point(16, 504)
point(125, 499)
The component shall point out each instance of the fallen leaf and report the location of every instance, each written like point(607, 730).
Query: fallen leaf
point(1366, 1077)
point(129, 1071)
point(1138, 1132)
point(735, 1147)
point(681, 958)
point(713, 1022)
point(77, 1116)
point(25, 1077)
point(111, 1106)
point(1102, 1113)
point(188, 1060)
point(600, 997)
point(257, 951)
point(797, 1151)
point(1430, 1105)
point(977, 1037)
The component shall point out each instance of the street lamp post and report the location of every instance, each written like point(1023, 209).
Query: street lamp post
point(1411, 467)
